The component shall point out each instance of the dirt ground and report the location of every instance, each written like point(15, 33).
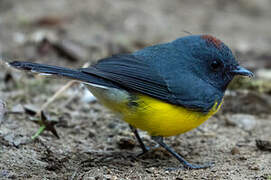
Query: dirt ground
point(95, 144)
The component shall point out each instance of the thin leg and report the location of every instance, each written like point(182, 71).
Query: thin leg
point(186, 164)
point(142, 145)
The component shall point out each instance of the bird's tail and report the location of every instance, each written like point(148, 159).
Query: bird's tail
point(45, 69)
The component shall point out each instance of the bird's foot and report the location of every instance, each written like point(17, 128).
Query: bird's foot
point(146, 150)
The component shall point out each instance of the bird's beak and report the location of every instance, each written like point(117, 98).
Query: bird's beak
point(239, 70)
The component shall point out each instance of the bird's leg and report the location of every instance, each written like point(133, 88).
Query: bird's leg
point(159, 140)
point(144, 148)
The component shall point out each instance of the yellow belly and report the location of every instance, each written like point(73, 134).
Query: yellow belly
point(156, 117)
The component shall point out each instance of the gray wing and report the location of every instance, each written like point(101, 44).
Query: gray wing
point(135, 74)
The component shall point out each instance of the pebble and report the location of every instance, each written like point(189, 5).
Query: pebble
point(125, 143)
point(244, 121)
point(91, 134)
point(254, 167)
point(243, 158)
point(235, 151)
point(263, 145)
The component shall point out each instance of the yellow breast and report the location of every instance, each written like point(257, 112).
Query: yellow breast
point(163, 119)
point(156, 117)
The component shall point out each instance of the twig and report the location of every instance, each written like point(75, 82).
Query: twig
point(55, 96)
point(58, 93)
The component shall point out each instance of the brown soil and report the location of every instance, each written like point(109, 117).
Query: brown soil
point(93, 143)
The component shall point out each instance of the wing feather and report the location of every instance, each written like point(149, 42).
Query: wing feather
point(133, 74)
point(136, 74)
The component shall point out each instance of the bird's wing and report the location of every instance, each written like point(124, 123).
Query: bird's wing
point(131, 73)
point(135, 74)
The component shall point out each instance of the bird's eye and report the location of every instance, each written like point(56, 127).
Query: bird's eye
point(215, 64)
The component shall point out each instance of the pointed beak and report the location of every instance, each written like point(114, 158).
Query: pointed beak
point(239, 70)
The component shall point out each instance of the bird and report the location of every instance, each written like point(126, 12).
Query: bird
point(165, 89)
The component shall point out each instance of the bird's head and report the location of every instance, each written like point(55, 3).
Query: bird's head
point(210, 59)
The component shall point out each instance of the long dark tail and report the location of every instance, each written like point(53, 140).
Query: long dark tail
point(61, 71)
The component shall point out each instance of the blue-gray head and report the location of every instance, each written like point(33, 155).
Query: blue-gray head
point(210, 59)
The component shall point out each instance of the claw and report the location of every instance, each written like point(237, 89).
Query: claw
point(186, 164)
point(146, 150)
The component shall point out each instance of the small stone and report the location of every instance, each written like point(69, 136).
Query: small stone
point(112, 125)
point(254, 167)
point(125, 143)
point(91, 134)
point(178, 178)
point(243, 158)
point(263, 145)
point(244, 121)
point(235, 151)
point(150, 170)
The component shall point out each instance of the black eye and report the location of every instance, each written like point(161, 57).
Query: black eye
point(216, 64)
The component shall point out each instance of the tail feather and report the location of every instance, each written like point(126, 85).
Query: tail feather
point(61, 71)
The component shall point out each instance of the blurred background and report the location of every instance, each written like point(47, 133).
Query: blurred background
point(93, 142)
